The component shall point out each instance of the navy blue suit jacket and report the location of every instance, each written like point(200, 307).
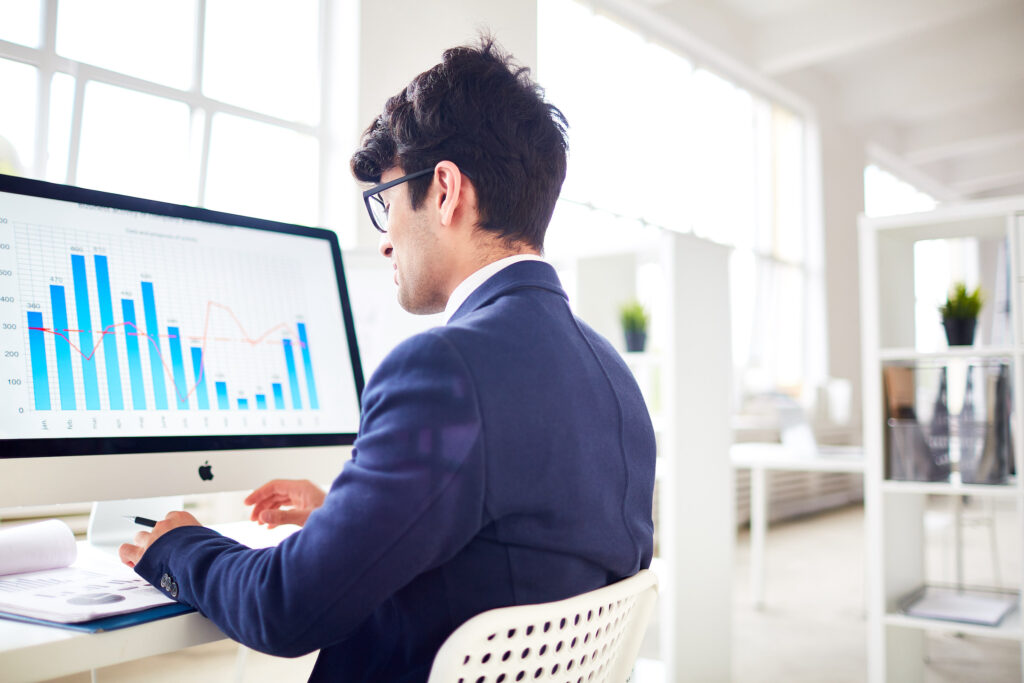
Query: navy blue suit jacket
point(505, 458)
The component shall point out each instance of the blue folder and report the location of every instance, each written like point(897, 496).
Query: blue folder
point(109, 623)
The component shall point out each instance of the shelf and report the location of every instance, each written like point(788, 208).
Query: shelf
point(952, 488)
point(980, 352)
point(895, 529)
point(1009, 629)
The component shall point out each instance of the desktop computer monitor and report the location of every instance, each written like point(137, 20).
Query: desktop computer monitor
point(152, 349)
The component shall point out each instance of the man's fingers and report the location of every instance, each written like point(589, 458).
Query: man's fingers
point(271, 488)
point(273, 518)
point(129, 554)
point(268, 504)
point(142, 540)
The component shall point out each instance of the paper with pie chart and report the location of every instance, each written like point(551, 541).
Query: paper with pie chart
point(71, 594)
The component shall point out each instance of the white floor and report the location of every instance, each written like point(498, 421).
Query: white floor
point(812, 628)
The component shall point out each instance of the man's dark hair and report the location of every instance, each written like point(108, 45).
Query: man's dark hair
point(481, 111)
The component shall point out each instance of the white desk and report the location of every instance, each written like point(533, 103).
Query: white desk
point(33, 653)
point(759, 458)
point(30, 653)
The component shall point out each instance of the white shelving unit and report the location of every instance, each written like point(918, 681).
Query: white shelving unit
point(894, 509)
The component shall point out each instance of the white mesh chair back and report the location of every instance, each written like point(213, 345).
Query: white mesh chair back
point(590, 638)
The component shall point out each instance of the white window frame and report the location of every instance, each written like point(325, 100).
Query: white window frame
point(334, 70)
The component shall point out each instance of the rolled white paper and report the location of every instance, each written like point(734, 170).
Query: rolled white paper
point(37, 546)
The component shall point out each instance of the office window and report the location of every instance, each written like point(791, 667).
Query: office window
point(262, 56)
point(214, 103)
point(152, 40)
point(19, 22)
point(18, 124)
point(242, 152)
point(120, 127)
point(62, 102)
point(658, 141)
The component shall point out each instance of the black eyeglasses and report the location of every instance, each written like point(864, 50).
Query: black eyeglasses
point(375, 205)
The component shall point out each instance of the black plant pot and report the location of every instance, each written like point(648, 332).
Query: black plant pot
point(636, 340)
point(959, 331)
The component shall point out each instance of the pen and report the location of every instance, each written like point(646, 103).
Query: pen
point(144, 521)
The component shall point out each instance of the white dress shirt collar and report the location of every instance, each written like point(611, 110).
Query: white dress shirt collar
point(470, 284)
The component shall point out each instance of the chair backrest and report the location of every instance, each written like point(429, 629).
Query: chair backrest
point(590, 638)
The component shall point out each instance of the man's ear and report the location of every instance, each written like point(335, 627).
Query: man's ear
point(451, 191)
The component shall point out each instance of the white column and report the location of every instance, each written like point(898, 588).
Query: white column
point(842, 184)
point(697, 500)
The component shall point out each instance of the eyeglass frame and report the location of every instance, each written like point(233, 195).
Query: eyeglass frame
point(377, 189)
point(374, 192)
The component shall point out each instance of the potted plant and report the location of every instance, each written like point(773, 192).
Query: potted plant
point(960, 314)
point(634, 325)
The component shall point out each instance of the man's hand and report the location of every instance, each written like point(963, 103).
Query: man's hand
point(131, 554)
point(301, 497)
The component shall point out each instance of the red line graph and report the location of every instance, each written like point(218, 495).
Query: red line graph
point(205, 339)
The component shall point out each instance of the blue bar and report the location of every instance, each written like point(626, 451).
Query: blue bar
point(178, 363)
point(292, 377)
point(243, 404)
point(85, 338)
point(132, 333)
point(306, 361)
point(222, 395)
point(261, 401)
point(65, 375)
point(278, 396)
point(109, 338)
point(200, 374)
point(155, 354)
point(37, 347)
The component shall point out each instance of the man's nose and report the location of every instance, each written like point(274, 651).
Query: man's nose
point(384, 246)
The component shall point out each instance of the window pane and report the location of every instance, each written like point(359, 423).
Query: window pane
point(606, 155)
point(744, 300)
point(18, 83)
point(134, 144)
point(152, 40)
point(62, 99)
point(262, 170)
point(787, 138)
point(19, 21)
point(788, 321)
point(719, 168)
point(263, 55)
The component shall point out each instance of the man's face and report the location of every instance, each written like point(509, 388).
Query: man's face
point(412, 245)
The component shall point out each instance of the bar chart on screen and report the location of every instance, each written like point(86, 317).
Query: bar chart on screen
point(131, 330)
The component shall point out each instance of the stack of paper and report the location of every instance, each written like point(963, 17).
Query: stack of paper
point(36, 579)
point(969, 606)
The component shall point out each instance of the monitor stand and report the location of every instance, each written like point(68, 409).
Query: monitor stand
point(109, 527)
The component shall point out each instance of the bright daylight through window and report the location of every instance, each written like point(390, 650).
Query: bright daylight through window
point(659, 142)
point(150, 99)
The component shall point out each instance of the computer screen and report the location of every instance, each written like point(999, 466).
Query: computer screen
point(152, 348)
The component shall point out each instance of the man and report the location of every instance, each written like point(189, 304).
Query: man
point(502, 459)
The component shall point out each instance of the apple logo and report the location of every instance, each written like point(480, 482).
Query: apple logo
point(206, 471)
